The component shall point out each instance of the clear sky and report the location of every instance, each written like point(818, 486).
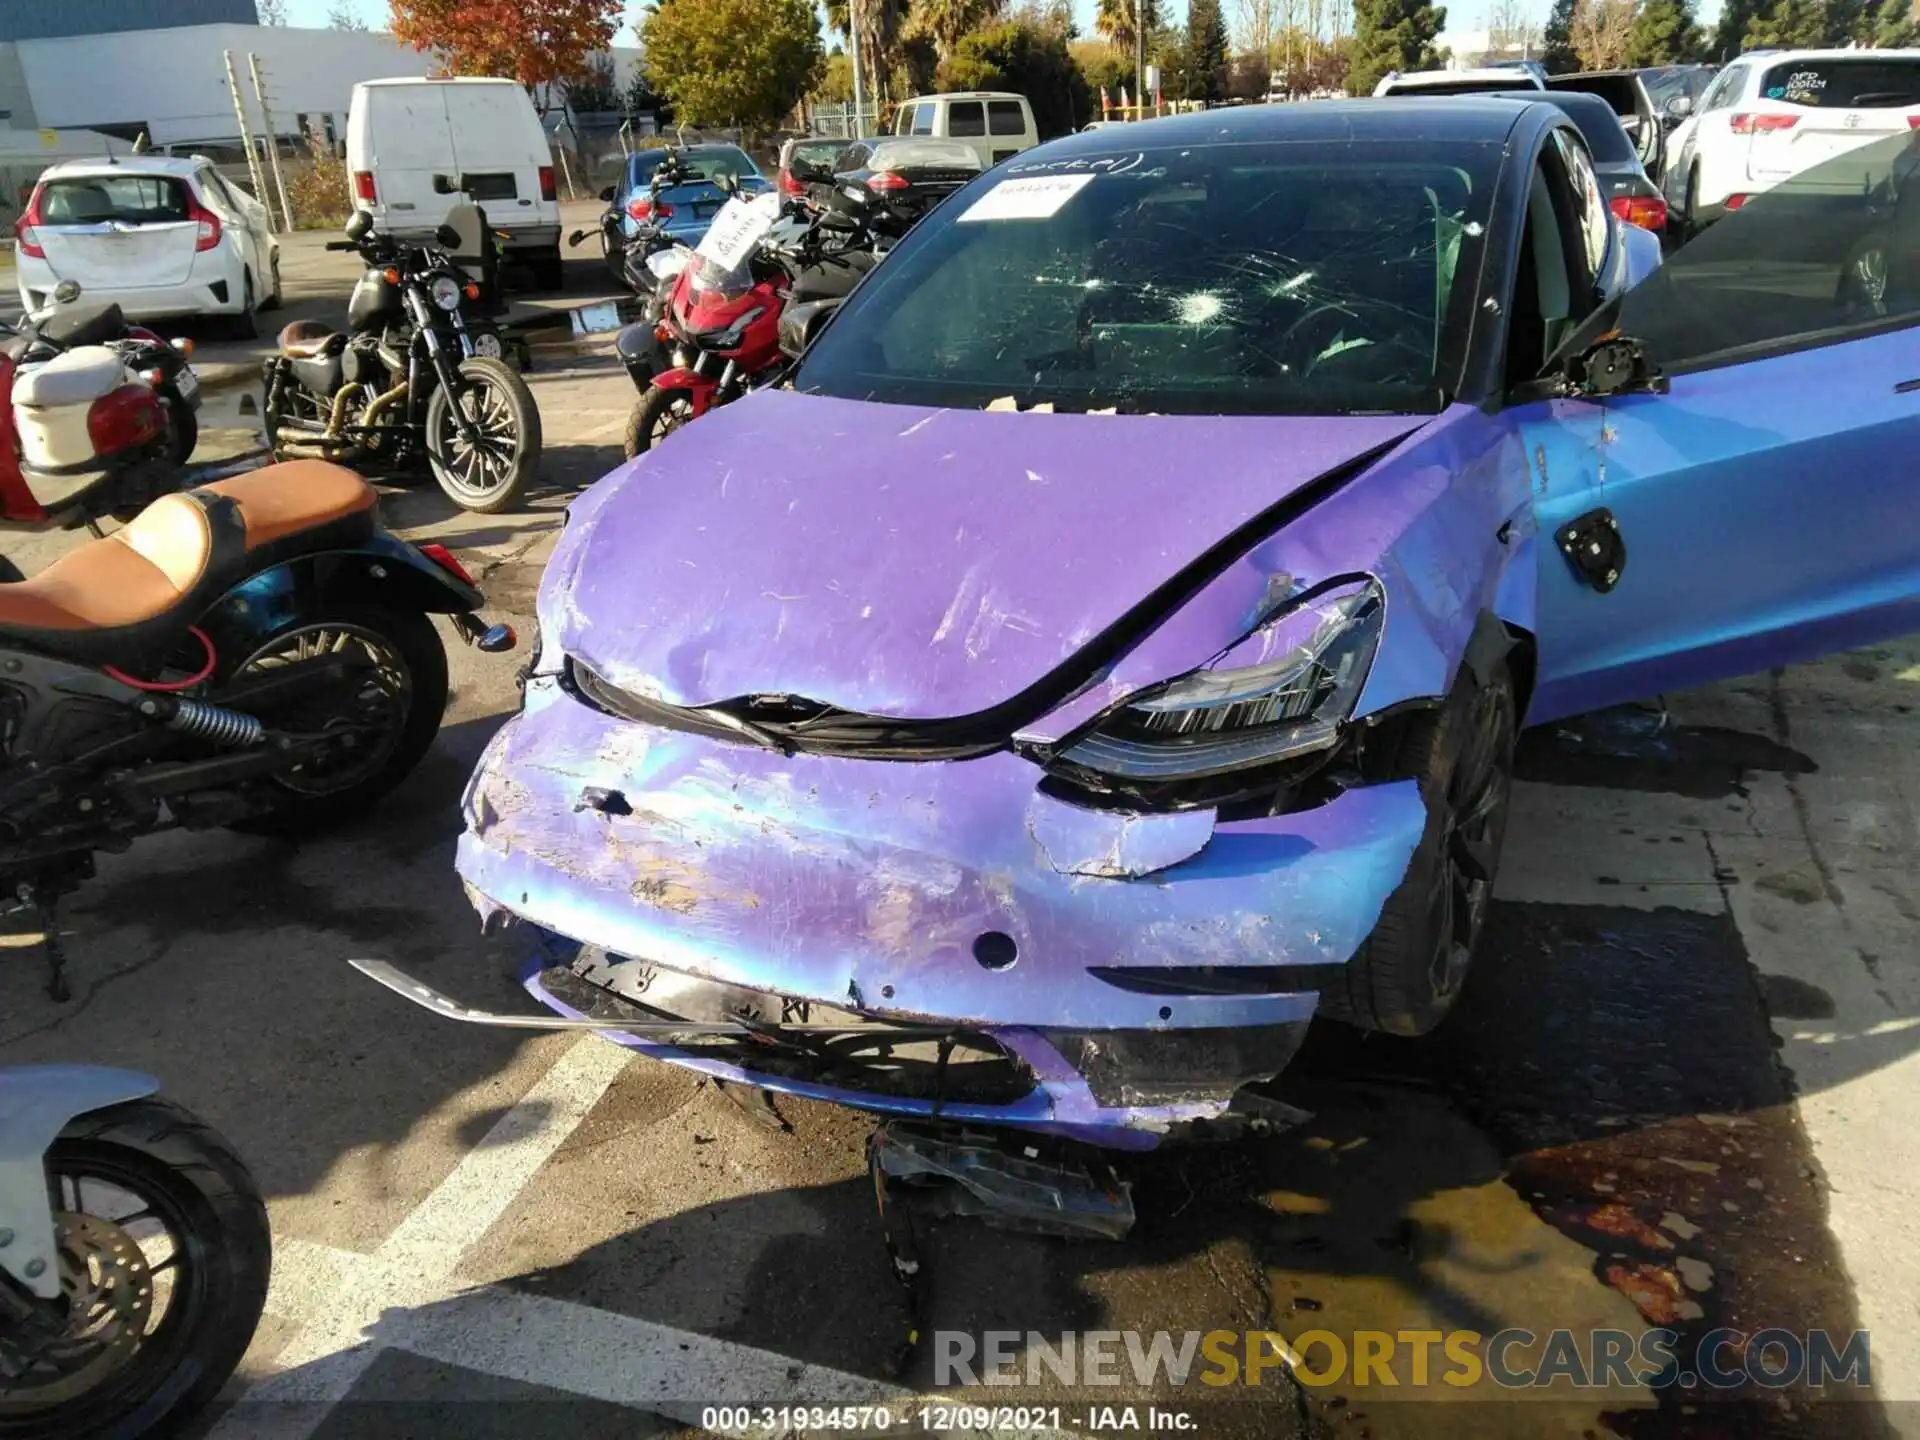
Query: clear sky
point(1461, 15)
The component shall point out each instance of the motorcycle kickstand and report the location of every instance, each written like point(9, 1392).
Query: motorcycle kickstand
point(58, 990)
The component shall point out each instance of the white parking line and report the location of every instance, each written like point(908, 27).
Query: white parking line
point(337, 1297)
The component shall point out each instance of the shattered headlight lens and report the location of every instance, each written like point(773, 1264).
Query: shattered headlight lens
point(1282, 692)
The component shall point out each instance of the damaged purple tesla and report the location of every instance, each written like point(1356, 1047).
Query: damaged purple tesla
point(1107, 654)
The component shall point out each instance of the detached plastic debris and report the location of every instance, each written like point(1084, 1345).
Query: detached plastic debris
point(1015, 1191)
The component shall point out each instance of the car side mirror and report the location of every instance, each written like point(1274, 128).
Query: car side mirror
point(606, 195)
point(446, 185)
point(359, 225)
point(66, 292)
point(1613, 364)
point(576, 237)
point(800, 325)
point(1677, 109)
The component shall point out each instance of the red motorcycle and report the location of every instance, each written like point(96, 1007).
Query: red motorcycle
point(719, 329)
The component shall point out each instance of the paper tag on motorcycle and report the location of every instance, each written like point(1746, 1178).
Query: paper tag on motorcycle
point(738, 228)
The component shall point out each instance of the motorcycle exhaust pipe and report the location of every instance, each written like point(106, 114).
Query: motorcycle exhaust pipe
point(337, 417)
point(385, 402)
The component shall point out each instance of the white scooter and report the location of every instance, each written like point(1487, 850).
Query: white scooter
point(134, 1256)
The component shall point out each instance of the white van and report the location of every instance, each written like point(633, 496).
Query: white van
point(994, 124)
point(413, 144)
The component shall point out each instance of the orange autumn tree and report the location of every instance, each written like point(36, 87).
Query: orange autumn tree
point(537, 42)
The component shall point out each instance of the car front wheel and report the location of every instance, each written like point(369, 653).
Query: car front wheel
point(1406, 976)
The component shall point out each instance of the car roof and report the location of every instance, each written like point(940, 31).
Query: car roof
point(966, 95)
point(1444, 77)
point(1777, 56)
point(436, 80)
point(1437, 117)
point(176, 165)
point(1588, 112)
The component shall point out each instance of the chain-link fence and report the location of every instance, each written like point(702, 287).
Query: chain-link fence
point(838, 122)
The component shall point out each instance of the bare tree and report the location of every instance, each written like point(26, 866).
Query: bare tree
point(1254, 25)
point(345, 15)
point(271, 12)
point(1509, 30)
point(1602, 31)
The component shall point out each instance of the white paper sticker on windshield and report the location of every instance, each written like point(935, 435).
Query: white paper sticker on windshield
point(1036, 198)
point(730, 239)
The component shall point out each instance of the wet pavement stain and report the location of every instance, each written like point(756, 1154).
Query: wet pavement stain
point(1599, 1137)
point(1635, 747)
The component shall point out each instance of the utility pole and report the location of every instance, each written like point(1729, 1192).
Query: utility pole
point(273, 141)
point(246, 134)
point(853, 39)
point(1140, 58)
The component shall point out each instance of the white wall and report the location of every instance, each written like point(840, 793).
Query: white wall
point(174, 82)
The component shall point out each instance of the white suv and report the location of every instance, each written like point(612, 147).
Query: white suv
point(1772, 114)
point(159, 235)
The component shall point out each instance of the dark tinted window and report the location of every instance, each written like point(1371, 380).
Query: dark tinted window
point(1302, 278)
point(1834, 249)
point(1845, 84)
point(1008, 117)
point(966, 117)
point(130, 199)
point(1622, 92)
point(1455, 87)
point(713, 161)
point(1597, 123)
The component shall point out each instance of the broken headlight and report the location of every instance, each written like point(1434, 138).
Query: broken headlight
point(1281, 693)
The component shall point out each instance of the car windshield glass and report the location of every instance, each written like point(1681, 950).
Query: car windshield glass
point(1252, 278)
point(130, 199)
point(1688, 80)
point(1881, 82)
point(923, 155)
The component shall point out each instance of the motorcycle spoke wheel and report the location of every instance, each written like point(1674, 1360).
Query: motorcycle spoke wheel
point(131, 1283)
point(671, 418)
point(480, 467)
point(366, 720)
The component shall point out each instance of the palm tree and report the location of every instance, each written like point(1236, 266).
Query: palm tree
point(1114, 20)
point(947, 22)
point(881, 24)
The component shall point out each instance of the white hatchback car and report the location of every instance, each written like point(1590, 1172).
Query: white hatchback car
point(1772, 114)
point(158, 235)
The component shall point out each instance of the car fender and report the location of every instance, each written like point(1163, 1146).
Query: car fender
point(699, 388)
point(36, 1104)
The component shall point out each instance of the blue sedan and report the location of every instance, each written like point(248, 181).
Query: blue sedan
point(686, 209)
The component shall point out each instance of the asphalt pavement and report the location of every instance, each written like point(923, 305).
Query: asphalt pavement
point(1677, 1093)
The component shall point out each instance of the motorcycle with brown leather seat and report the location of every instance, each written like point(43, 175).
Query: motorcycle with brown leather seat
point(255, 652)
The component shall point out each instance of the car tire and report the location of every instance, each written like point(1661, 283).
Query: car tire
point(272, 302)
point(242, 326)
point(1407, 974)
point(1689, 224)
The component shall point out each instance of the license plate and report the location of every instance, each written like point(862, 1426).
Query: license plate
point(188, 384)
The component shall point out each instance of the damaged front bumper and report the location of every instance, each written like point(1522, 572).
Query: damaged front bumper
point(1101, 975)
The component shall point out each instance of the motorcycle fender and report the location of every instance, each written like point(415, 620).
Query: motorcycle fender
point(699, 388)
point(36, 1104)
point(386, 572)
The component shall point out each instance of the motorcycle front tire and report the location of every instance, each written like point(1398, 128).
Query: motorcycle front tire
point(166, 1153)
point(183, 429)
point(645, 425)
point(524, 415)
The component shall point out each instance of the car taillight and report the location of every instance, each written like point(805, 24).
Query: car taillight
point(24, 234)
point(1734, 202)
point(887, 180)
point(789, 185)
point(444, 558)
point(547, 192)
point(1746, 124)
point(123, 418)
point(1913, 122)
point(645, 210)
point(209, 224)
point(363, 186)
point(1649, 212)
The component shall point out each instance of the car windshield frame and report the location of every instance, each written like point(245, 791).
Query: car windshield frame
point(848, 360)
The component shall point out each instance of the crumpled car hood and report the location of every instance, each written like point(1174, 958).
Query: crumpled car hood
point(906, 562)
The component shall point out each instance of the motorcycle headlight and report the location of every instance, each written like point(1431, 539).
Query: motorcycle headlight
point(1281, 693)
point(445, 292)
point(737, 331)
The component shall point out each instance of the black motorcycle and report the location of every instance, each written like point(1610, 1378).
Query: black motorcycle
point(254, 653)
point(71, 322)
point(405, 383)
point(626, 257)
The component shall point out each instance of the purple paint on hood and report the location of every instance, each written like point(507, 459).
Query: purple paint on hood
point(902, 561)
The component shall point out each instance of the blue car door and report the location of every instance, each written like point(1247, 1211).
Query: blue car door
point(1766, 508)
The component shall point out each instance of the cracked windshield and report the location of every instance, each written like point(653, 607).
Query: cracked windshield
point(1230, 279)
